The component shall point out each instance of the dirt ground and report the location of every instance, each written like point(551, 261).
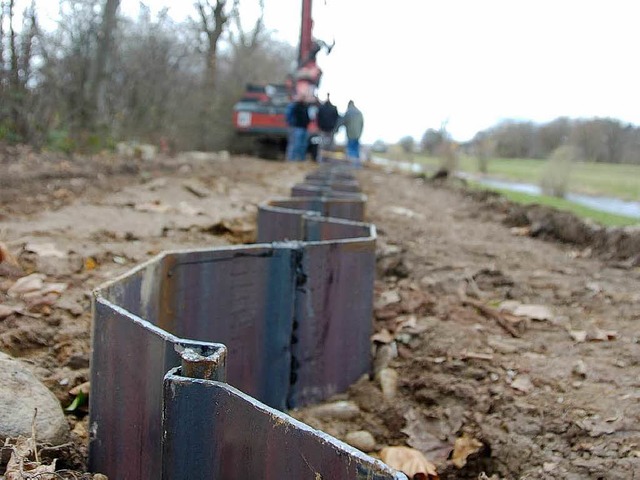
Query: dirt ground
point(524, 348)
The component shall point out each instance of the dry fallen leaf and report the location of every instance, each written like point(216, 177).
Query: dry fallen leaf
point(153, 207)
point(83, 388)
point(522, 383)
point(423, 435)
point(45, 250)
point(598, 335)
point(30, 283)
point(189, 210)
point(24, 463)
point(5, 311)
point(409, 461)
point(383, 336)
point(534, 312)
point(403, 212)
point(463, 448)
point(578, 336)
point(409, 323)
point(7, 257)
point(387, 298)
point(24, 470)
point(465, 354)
point(239, 229)
point(521, 231)
point(90, 264)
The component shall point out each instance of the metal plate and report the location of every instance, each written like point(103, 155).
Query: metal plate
point(215, 432)
point(130, 358)
point(295, 316)
point(334, 312)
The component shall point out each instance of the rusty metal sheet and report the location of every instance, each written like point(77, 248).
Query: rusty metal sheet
point(346, 208)
point(337, 185)
point(215, 432)
point(130, 358)
point(282, 220)
point(295, 317)
point(334, 313)
point(335, 160)
point(309, 190)
point(242, 297)
point(331, 173)
point(323, 229)
point(139, 290)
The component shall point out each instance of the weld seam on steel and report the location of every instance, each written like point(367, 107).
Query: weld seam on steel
point(279, 320)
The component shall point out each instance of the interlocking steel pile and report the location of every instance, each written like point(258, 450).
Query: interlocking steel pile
point(195, 353)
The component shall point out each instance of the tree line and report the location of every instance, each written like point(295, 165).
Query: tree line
point(603, 140)
point(99, 77)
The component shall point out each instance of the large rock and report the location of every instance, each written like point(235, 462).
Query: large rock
point(20, 394)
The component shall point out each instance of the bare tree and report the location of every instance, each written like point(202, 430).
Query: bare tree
point(213, 19)
point(249, 41)
point(15, 71)
point(161, 49)
point(96, 97)
point(2, 69)
point(13, 47)
point(87, 83)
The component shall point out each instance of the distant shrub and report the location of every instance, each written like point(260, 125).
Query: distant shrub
point(557, 171)
point(407, 143)
point(483, 150)
point(8, 133)
point(448, 153)
point(60, 141)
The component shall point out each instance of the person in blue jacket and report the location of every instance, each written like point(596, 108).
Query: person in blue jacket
point(297, 116)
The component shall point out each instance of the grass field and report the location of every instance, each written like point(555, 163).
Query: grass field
point(603, 218)
point(621, 181)
point(612, 180)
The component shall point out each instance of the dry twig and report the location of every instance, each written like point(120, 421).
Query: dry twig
point(501, 318)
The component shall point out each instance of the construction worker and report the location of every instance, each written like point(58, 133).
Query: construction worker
point(327, 122)
point(354, 123)
point(298, 120)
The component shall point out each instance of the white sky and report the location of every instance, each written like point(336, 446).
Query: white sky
point(411, 64)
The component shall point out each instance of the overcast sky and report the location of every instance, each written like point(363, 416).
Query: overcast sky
point(412, 64)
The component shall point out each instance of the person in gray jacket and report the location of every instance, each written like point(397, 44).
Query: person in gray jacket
point(354, 123)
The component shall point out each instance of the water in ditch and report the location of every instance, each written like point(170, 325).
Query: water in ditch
point(600, 203)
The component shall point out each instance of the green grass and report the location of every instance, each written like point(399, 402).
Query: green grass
point(613, 180)
point(603, 218)
point(621, 181)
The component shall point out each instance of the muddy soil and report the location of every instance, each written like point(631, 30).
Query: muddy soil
point(539, 392)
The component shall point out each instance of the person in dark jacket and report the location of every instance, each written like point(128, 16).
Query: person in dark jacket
point(327, 122)
point(298, 120)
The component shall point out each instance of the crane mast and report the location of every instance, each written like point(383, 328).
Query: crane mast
point(306, 32)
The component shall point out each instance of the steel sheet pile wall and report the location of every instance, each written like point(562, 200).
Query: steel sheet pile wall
point(279, 324)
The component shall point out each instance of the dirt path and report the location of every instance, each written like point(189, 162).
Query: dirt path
point(555, 398)
point(559, 401)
